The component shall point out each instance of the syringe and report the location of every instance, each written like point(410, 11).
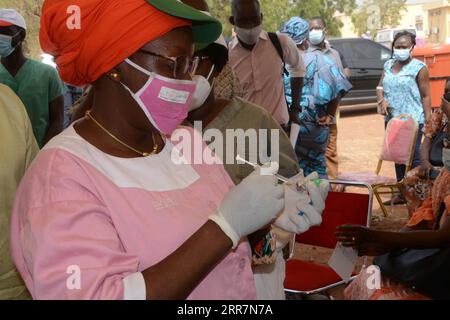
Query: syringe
point(254, 165)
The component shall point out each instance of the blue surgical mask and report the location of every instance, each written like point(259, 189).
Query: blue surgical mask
point(402, 54)
point(316, 37)
point(6, 47)
point(446, 158)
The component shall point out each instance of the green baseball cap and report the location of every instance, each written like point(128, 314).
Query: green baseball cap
point(206, 29)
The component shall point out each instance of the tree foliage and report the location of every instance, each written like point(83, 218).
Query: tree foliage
point(31, 11)
point(278, 12)
point(373, 15)
point(275, 13)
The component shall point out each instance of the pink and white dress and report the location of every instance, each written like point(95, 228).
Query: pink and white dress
point(86, 224)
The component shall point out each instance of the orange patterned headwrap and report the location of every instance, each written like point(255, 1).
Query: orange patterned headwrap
point(109, 32)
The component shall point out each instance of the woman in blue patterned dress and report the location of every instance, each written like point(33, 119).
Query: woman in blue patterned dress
point(405, 88)
point(323, 86)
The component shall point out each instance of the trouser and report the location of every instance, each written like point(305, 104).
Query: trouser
point(331, 155)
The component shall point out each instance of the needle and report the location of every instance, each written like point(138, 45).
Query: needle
point(279, 177)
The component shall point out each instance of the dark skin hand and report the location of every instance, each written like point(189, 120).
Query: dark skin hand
point(371, 242)
point(303, 46)
point(115, 109)
point(324, 121)
point(294, 115)
point(380, 96)
point(297, 86)
point(425, 165)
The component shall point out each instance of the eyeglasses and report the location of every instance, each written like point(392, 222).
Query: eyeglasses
point(200, 59)
point(180, 65)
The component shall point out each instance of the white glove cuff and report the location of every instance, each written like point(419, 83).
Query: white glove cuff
point(226, 228)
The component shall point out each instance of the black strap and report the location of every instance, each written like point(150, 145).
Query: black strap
point(277, 44)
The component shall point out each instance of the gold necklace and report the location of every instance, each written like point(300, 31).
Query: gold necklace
point(144, 154)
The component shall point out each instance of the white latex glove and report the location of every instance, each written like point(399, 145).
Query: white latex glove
point(303, 209)
point(250, 206)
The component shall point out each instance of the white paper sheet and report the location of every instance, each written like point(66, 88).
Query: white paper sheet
point(343, 261)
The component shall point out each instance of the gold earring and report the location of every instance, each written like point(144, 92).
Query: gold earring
point(114, 75)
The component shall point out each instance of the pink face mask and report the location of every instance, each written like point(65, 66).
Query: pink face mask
point(165, 101)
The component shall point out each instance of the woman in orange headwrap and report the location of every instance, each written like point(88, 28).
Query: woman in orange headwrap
point(105, 212)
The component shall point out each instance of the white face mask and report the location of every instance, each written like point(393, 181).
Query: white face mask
point(316, 37)
point(249, 36)
point(202, 90)
point(402, 54)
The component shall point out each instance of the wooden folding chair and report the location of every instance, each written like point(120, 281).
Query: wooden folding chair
point(398, 147)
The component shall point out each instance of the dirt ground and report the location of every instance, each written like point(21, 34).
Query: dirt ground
point(359, 143)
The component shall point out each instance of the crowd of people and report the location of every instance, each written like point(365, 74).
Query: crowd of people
point(106, 198)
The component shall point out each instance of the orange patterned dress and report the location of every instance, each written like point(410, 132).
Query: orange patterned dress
point(417, 189)
point(427, 212)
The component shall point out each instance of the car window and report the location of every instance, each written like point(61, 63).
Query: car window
point(384, 36)
point(362, 51)
point(385, 54)
point(339, 46)
point(370, 55)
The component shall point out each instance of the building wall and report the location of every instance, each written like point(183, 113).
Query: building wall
point(439, 24)
point(447, 38)
point(348, 30)
point(438, 21)
point(425, 15)
point(415, 16)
